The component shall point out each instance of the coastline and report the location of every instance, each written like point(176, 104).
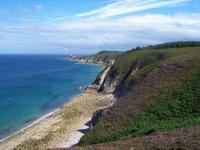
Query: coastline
point(57, 130)
point(31, 124)
point(103, 65)
point(74, 137)
point(37, 116)
point(77, 110)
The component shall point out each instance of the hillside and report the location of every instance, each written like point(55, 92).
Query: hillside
point(102, 58)
point(180, 44)
point(157, 92)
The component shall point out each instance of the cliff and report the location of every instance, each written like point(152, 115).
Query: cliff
point(102, 58)
point(156, 90)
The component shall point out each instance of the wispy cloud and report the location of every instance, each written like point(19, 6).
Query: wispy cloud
point(122, 7)
point(91, 35)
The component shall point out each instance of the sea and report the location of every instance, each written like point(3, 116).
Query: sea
point(32, 86)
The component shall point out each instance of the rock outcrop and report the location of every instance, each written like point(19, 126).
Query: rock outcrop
point(104, 58)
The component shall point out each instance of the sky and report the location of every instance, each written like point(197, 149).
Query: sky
point(89, 26)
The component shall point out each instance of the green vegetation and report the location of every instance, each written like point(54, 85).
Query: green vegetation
point(112, 54)
point(144, 61)
point(180, 108)
point(105, 55)
point(158, 89)
point(135, 60)
point(180, 44)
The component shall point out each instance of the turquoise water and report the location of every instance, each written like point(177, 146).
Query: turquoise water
point(34, 85)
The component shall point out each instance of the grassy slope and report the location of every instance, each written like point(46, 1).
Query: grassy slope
point(105, 56)
point(180, 139)
point(162, 95)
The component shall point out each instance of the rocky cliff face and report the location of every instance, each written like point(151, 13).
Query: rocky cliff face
point(103, 81)
point(101, 77)
point(100, 82)
point(93, 60)
point(106, 59)
point(102, 58)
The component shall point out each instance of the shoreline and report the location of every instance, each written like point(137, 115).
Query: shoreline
point(73, 138)
point(61, 127)
point(87, 63)
point(77, 109)
point(44, 116)
point(31, 124)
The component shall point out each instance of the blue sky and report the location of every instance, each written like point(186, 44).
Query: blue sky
point(88, 26)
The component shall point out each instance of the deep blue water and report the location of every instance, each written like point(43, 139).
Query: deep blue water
point(34, 85)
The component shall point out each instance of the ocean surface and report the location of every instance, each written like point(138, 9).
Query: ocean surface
point(34, 85)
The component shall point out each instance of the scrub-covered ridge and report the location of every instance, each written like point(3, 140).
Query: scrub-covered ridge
point(157, 90)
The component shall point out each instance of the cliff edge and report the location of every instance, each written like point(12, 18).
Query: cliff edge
point(157, 92)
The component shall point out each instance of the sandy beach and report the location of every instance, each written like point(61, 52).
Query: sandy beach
point(62, 128)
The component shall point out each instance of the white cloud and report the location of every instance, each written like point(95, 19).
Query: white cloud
point(84, 35)
point(121, 7)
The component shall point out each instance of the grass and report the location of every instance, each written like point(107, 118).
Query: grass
point(143, 60)
point(176, 104)
point(105, 56)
